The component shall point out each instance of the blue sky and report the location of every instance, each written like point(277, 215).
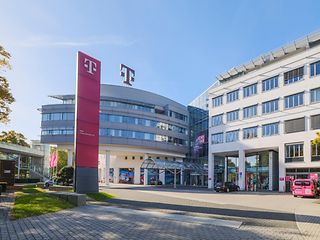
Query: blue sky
point(176, 47)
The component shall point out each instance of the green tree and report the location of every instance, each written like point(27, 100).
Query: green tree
point(62, 159)
point(14, 137)
point(65, 175)
point(6, 97)
point(317, 139)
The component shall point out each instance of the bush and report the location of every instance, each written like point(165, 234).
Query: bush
point(65, 175)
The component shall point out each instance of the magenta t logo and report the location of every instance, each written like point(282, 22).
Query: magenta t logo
point(127, 73)
point(91, 66)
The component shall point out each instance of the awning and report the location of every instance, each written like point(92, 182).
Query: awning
point(160, 164)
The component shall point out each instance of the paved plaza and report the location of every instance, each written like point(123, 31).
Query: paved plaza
point(164, 213)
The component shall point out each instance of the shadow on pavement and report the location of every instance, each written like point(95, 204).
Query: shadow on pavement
point(253, 214)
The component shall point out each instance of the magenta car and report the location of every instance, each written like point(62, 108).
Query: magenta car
point(305, 188)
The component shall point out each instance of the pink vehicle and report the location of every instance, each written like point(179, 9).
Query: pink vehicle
point(305, 188)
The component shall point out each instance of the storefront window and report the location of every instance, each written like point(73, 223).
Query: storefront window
point(232, 169)
point(257, 172)
point(126, 175)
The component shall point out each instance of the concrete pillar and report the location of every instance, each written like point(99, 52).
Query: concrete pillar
point(162, 176)
point(19, 165)
point(282, 168)
point(226, 169)
point(137, 173)
point(242, 170)
point(181, 177)
point(69, 157)
point(145, 172)
point(145, 176)
point(211, 171)
point(175, 178)
point(107, 168)
point(307, 151)
point(271, 170)
point(116, 175)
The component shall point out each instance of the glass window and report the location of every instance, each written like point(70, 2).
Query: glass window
point(293, 75)
point(250, 111)
point(217, 138)
point(315, 95)
point(315, 122)
point(270, 106)
point(141, 135)
point(217, 101)
point(233, 96)
point(293, 100)
point(232, 136)
point(270, 83)
point(250, 90)
point(123, 105)
point(217, 120)
point(294, 152)
point(251, 132)
point(270, 129)
point(141, 121)
point(315, 69)
point(233, 115)
point(294, 125)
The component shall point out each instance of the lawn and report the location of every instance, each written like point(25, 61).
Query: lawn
point(100, 196)
point(34, 201)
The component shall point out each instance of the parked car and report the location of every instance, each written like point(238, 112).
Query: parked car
point(154, 182)
point(226, 187)
point(48, 183)
point(305, 188)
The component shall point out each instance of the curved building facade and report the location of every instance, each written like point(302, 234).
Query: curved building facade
point(134, 124)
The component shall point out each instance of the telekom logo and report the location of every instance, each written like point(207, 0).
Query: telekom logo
point(91, 66)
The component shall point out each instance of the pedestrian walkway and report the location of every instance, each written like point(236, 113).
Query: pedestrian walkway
point(6, 204)
point(99, 222)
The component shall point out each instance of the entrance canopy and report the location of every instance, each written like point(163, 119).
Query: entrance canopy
point(160, 164)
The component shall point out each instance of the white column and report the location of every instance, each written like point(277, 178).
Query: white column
point(69, 157)
point(137, 173)
point(116, 175)
point(226, 169)
point(307, 151)
point(175, 178)
point(271, 170)
point(145, 176)
point(145, 172)
point(19, 165)
point(162, 176)
point(107, 168)
point(242, 170)
point(211, 171)
point(282, 168)
point(181, 177)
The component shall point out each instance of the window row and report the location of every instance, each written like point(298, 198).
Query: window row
point(290, 126)
point(141, 121)
point(248, 133)
point(141, 135)
point(119, 133)
point(69, 116)
point(268, 107)
point(289, 77)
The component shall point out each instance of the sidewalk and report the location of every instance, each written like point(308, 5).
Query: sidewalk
point(6, 204)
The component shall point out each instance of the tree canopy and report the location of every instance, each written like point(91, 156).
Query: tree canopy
point(6, 97)
point(14, 137)
point(317, 139)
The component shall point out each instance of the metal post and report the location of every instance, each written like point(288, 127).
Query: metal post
point(175, 179)
point(19, 165)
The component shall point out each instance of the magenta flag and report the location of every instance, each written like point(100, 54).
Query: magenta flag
point(53, 160)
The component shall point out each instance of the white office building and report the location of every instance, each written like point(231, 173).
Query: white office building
point(263, 116)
